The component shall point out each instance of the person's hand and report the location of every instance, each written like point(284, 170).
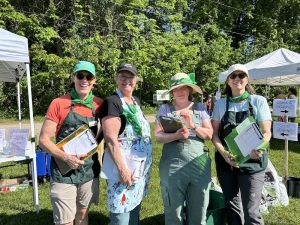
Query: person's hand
point(73, 161)
point(230, 159)
point(127, 177)
point(255, 154)
point(187, 118)
point(183, 133)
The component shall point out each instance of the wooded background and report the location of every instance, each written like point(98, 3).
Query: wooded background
point(160, 37)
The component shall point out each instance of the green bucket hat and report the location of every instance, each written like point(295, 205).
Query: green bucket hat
point(85, 65)
point(183, 79)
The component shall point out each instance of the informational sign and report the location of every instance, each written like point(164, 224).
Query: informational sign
point(18, 141)
point(285, 131)
point(162, 95)
point(284, 107)
point(154, 99)
point(2, 140)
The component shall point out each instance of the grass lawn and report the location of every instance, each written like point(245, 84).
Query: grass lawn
point(17, 207)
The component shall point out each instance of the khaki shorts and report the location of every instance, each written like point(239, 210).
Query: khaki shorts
point(66, 198)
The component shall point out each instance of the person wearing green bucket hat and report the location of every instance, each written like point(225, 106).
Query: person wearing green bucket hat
point(184, 166)
point(72, 191)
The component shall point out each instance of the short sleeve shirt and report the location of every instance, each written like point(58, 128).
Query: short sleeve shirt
point(112, 106)
point(260, 108)
point(61, 106)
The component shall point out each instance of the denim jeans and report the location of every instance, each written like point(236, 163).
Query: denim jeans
point(129, 218)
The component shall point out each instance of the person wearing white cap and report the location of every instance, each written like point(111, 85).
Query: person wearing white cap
point(184, 167)
point(241, 184)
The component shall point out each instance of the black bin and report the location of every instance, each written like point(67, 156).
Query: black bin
point(293, 187)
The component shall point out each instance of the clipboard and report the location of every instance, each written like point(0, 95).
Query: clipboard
point(71, 141)
point(245, 137)
point(170, 124)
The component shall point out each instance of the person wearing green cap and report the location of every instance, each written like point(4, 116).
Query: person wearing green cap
point(184, 167)
point(73, 192)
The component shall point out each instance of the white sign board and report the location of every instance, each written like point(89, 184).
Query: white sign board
point(162, 95)
point(286, 131)
point(284, 107)
point(154, 99)
point(18, 141)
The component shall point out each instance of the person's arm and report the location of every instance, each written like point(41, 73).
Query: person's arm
point(164, 138)
point(219, 146)
point(47, 132)
point(205, 131)
point(111, 126)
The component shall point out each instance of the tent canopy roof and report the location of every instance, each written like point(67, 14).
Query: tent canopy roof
point(14, 55)
point(281, 67)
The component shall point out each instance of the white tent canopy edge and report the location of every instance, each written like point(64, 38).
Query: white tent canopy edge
point(14, 62)
point(281, 67)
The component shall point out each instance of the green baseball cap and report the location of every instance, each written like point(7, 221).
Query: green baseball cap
point(85, 65)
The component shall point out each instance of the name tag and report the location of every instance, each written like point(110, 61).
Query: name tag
point(92, 123)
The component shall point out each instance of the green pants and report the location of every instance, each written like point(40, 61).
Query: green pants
point(185, 175)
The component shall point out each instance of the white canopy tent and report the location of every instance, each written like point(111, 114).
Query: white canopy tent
point(281, 67)
point(14, 62)
point(278, 68)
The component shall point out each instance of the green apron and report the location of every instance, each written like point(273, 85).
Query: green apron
point(91, 167)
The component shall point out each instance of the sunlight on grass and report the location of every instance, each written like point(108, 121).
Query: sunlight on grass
point(17, 207)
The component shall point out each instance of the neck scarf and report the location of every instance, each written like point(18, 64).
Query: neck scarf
point(240, 98)
point(88, 102)
point(131, 117)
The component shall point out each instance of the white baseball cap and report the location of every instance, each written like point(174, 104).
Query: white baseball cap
point(237, 67)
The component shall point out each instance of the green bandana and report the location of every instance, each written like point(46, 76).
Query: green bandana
point(190, 80)
point(240, 98)
point(88, 102)
point(132, 119)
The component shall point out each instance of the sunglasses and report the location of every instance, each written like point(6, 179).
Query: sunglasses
point(240, 75)
point(88, 77)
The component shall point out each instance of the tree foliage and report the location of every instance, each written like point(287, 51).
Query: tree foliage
point(159, 37)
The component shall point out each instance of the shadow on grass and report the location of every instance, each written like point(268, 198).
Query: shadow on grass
point(278, 144)
point(45, 217)
point(157, 220)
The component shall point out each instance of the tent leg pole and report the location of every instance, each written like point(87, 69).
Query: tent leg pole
point(19, 103)
point(33, 167)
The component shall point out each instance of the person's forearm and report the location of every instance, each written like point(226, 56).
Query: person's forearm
point(166, 137)
point(115, 153)
point(204, 133)
point(47, 145)
point(218, 144)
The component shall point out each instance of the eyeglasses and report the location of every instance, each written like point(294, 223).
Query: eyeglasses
point(240, 75)
point(88, 77)
point(124, 78)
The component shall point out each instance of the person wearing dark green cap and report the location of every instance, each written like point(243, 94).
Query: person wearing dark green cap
point(73, 192)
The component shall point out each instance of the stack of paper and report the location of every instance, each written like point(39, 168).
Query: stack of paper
point(243, 139)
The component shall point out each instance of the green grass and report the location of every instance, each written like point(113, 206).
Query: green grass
point(17, 207)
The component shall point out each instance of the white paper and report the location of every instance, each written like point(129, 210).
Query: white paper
point(285, 131)
point(249, 139)
point(18, 141)
point(135, 162)
point(284, 107)
point(2, 140)
point(81, 144)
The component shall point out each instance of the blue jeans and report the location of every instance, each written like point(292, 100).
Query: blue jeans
point(129, 218)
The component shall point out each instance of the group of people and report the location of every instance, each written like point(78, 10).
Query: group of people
point(185, 165)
